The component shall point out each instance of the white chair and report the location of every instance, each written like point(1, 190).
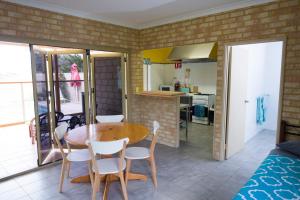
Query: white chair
point(72, 156)
point(109, 118)
point(138, 153)
point(108, 166)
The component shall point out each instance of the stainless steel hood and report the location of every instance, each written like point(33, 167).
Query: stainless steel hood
point(206, 52)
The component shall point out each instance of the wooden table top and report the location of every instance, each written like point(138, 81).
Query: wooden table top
point(166, 94)
point(107, 132)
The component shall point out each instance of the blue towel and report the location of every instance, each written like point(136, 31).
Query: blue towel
point(260, 110)
point(199, 110)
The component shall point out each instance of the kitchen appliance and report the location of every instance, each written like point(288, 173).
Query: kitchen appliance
point(166, 88)
point(208, 102)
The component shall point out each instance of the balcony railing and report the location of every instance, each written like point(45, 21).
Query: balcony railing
point(16, 103)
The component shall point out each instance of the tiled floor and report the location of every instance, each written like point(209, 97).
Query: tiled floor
point(17, 154)
point(184, 173)
point(200, 136)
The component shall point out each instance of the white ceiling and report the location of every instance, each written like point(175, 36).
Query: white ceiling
point(139, 13)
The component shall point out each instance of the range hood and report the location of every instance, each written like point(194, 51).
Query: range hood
point(206, 52)
point(158, 55)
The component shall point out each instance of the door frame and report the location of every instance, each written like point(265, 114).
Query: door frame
point(226, 88)
point(35, 105)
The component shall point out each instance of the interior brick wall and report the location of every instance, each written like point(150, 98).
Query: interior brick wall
point(165, 110)
point(267, 21)
point(108, 92)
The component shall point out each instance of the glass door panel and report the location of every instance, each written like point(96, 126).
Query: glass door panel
point(68, 78)
point(18, 152)
point(42, 102)
point(108, 85)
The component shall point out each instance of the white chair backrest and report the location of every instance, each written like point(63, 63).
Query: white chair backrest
point(155, 127)
point(108, 148)
point(109, 118)
point(61, 130)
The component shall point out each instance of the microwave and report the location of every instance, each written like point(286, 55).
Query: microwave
point(166, 88)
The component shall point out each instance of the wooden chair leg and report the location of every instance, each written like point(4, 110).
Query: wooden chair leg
point(128, 165)
point(96, 186)
point(62, 174)
point(106, 187)
point(124, 190)
point(153, 170)
point(68, 169)
point(91, 173)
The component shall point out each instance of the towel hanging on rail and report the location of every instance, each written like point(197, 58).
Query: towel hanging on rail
point(260, 110)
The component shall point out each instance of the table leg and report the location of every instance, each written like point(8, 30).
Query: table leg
point(136, 176)
point(108, 180)
point(131, 176)
point(81, 179)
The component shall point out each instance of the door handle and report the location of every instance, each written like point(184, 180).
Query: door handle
point(49, 93)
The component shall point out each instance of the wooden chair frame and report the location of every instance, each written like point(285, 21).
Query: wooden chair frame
point(98, 177)
point(66, 164)
point(151, 161)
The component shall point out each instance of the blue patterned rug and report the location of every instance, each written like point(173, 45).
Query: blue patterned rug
point(278, 177)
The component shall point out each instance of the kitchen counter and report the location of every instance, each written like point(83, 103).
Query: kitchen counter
point(161, 93)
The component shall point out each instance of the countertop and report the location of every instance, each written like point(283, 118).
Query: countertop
point(161, 93)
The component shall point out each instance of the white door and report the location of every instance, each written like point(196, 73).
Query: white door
point(237, 100)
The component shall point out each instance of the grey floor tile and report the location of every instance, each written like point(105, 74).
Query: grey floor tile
point(14, 194)
point(184, 173)
point(7, 186)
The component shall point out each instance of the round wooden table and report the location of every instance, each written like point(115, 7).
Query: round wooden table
point(107, 132)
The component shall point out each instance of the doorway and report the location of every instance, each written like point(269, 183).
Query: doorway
point(253, 94)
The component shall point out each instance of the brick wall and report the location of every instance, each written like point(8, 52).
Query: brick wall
point(108, 86)
point(162, 109)
point(29, 22)
point(268, 21)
